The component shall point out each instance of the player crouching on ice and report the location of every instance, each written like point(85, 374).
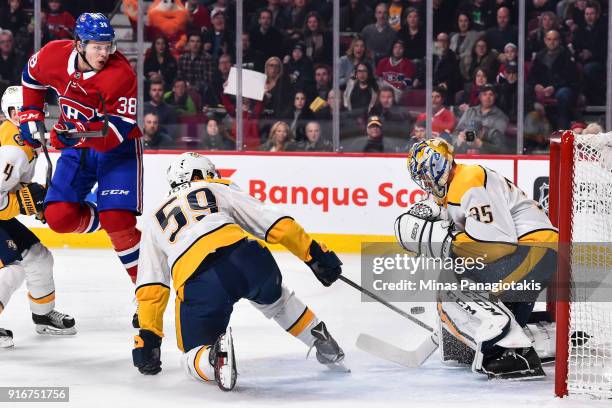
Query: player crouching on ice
point(22, 255)
point(479, 214)
point(198, 240)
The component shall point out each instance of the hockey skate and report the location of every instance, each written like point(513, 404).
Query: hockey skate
point(54, 323)
point(6, 338)
point(222, 358)
point(329, 352)
point(514, 364)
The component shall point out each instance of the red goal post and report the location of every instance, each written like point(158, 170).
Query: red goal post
point(580, 203)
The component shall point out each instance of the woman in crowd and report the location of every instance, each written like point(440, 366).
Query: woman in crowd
point(298, 115)
point(159, 60)
point(356, 53)
point(462, 42)
point(413, 35)
point(215, 136)
point(482, 57)
point(276, 88)
point(280, 139)
point(361, 90)
point(471, 90)
point(318, 41)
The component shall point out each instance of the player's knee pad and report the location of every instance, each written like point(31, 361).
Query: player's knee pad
point(292, 315)
point(65, 217)
point(38, 265)
point(11, 278)
point(120, 226)
point(195, 363)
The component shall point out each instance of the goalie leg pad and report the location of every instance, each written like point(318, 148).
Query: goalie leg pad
point(292, 315)
point(38, 265)
point(11, 278)
point(479, 322)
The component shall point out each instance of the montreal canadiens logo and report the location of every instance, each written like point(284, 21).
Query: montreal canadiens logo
point(73, 110)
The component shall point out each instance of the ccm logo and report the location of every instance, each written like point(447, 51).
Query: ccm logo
point(115, 192)
point(26, 117)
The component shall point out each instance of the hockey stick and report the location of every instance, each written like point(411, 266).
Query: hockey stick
point(385, 303)
point(42, 138)
point(382, 349)
point(94, 133)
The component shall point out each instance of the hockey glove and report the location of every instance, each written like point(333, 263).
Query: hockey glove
point(32, 126)
point(60, 134)
point(324, 263)
point(146, 353)
point(31, 199)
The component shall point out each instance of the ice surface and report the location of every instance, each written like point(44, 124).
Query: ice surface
point(273, 370)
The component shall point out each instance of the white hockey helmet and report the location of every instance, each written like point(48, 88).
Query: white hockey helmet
point(12, 98)
point(187, 165)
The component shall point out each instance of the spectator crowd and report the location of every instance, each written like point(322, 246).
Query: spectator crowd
point(381, 70)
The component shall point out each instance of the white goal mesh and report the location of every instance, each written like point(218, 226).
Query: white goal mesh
point(590, 346)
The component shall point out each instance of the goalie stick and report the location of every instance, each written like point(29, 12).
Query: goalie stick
point(409, 358)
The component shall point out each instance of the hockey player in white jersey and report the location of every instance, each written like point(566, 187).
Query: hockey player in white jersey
point(477, 213)
point(197, 243)
point(22, 255)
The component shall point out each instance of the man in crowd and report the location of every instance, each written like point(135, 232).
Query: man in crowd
point(195, 66)
point(266, 38)
point(154, 137)
point(553, 74)
point(590, 43)
point(379, 35)
point(11, 60)
point(497, 37)
point(164, 112)
point(482, 127)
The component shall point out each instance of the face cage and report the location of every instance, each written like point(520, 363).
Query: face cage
point(429, 186)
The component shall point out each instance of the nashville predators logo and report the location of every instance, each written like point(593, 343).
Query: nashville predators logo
point(11, 244)
point(18, 140)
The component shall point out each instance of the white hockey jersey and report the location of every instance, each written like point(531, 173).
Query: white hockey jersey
point(193, 221)
point(488, 208)
point(17, 165)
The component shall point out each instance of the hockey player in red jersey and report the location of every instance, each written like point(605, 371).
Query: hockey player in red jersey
point(91, 80)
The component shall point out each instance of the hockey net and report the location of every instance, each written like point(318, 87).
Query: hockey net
point(580, 203)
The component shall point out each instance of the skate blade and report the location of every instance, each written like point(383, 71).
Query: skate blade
point(45, 330)
point(227, 374)
point(338, 367)
point(526, 375)
point(6, 342)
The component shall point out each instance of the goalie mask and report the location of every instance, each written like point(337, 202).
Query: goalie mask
point(189, 165)
point(430, 163)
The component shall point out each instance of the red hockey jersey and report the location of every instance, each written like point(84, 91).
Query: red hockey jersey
point(79, 93)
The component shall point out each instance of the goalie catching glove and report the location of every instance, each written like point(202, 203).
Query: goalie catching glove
point(420, 231)
point(146, 353)
point(325, 264)
point(31, 199)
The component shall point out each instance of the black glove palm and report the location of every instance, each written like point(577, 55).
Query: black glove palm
point(325, 264)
